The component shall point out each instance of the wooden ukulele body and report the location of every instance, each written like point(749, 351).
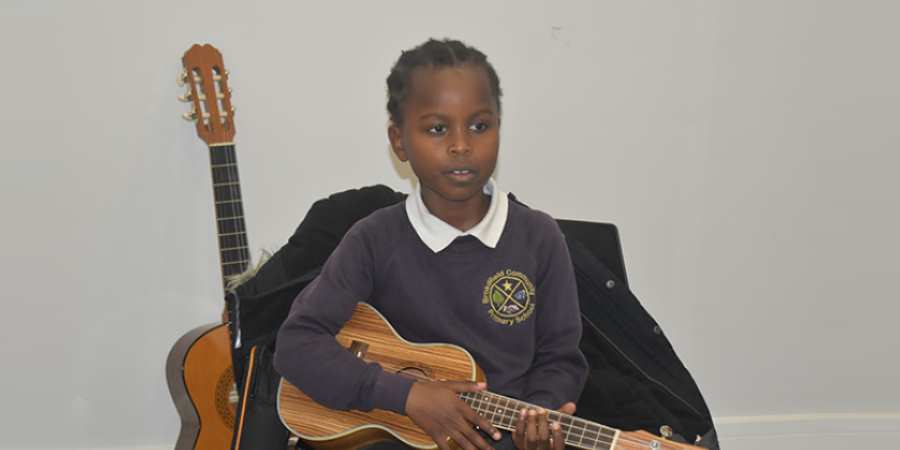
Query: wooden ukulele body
point(371, 338)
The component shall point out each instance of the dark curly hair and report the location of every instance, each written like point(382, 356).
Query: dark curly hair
point(436, 54)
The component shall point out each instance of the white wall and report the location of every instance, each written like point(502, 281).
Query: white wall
point(747, 151)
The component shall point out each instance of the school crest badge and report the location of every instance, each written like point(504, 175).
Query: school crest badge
point(510, 295)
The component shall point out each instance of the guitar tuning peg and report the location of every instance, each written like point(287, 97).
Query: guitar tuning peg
point(186, 98)
point(229, 90)
point(227, 72)
point(232, 110)
point(189, 116)
point(182, 78)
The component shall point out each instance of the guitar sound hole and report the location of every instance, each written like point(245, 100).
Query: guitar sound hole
point(224, 387)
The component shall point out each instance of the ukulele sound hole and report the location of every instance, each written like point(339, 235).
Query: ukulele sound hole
point(417, 373)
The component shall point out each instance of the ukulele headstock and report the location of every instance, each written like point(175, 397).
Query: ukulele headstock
point(643, 440)
point(206, 80)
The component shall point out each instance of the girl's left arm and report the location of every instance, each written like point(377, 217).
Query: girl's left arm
point(559, 369)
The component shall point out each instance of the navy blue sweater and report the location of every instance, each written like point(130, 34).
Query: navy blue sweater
point(513, 307)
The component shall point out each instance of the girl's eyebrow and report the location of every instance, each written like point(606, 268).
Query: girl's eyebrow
point(444, 117)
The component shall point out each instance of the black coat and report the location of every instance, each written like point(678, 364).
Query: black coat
point(636, 380)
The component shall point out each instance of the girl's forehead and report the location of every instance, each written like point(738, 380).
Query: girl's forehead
point(447, 86)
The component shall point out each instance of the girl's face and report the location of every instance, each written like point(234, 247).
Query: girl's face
point(450, 135)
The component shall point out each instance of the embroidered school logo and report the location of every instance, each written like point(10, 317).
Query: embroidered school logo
point(510, 295)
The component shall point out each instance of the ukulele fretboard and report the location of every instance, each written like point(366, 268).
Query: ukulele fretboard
point(504, 412)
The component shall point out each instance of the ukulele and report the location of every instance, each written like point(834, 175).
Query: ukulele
point(199, 368)
point(369, 336)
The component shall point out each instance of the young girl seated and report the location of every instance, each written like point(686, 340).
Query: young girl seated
point(456, 263)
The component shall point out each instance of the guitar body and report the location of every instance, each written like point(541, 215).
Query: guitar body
point(201, 382)
point(371, 338)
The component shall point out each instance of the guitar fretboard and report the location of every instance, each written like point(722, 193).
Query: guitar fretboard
point(234, 254)
point(503, 412)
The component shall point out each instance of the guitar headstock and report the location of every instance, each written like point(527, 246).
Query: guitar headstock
point(207, 82)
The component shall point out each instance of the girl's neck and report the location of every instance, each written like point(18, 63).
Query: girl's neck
point(460, 215)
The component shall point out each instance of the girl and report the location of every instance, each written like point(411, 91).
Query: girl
point(457, 262)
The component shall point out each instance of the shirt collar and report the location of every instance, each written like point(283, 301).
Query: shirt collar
point(437, 234)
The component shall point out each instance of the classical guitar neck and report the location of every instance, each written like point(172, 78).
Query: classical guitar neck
point(210, 96)
point(234, 254)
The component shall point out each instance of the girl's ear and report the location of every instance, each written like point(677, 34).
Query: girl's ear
point(396, 138)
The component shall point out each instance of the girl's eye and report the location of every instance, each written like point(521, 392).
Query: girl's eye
point(479, 127)
point(438, 129)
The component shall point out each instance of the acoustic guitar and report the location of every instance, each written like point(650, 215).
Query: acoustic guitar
point(370, 337)
point(199, 369)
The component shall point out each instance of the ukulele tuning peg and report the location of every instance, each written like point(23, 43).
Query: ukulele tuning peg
point(182, 78)
point(666, 431)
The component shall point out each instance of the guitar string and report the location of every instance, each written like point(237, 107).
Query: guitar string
point(235, 194)
point(230, 159)
point(217, 153)
point(231, 169)
point(244, 252)
point(583, 427)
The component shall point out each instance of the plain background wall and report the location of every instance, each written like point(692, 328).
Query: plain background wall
point(748, 151)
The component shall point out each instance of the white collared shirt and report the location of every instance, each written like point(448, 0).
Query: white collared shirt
point(437, 234)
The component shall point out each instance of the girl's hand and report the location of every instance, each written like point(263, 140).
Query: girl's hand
point(535, 432)
point(435, 407)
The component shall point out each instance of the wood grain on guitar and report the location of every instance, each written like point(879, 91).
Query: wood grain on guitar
point(370, 337)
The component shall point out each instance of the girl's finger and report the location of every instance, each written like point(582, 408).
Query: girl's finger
point(471, 439)
point(519, 432)
point(531, 433)
point(556, 436)
point(443, 443)
point(479, 421)
point(543, 429)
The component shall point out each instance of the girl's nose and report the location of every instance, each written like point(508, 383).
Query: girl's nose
point(460, 149)
point(459, 143)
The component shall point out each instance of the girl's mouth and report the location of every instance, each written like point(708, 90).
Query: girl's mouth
point(461, 174)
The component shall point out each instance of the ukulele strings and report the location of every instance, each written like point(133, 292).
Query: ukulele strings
point(512, 408)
